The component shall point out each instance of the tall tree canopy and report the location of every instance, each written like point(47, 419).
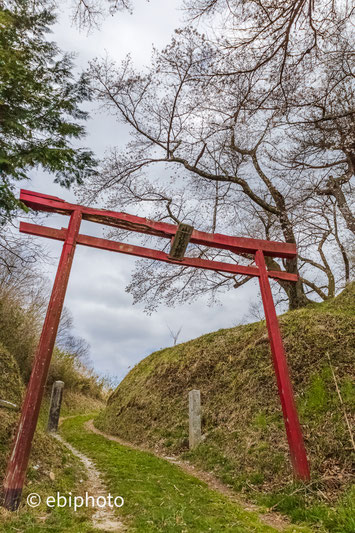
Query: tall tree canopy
point(40, 101)
point(245, 132)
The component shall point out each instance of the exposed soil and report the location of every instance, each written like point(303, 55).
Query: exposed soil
point(103, 518)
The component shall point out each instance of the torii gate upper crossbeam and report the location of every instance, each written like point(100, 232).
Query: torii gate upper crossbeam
point(18, 461)
point(43, 202)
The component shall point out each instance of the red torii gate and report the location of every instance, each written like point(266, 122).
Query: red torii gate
point(180, 236)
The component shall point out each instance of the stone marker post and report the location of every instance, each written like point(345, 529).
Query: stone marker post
point(54, 409)
point(194, 419)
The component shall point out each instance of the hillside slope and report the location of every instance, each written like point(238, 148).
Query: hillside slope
point(45, 451)
point(52, 468)
point(245, 440)
point(20, 326)
point(11, 390)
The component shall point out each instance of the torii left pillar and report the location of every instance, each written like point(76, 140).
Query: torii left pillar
point(17, 465)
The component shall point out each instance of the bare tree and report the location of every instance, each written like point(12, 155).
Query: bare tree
point(20, 275)
point(234, 160)
point(279, 39)
point(23, 286)
point(90, 13)
point(70, 343)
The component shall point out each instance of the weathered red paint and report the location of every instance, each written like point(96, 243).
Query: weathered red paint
point(293, 428)
point(17, 465)
point(160, 229)
point(140, 251)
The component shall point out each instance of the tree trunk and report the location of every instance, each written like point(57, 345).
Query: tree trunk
point(294, 290)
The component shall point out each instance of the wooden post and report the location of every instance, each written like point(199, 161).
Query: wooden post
point(18, 461)
point(194, 419)
point(292, 424)
point(54, 408)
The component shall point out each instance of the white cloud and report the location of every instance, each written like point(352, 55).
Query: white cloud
point(121, 334)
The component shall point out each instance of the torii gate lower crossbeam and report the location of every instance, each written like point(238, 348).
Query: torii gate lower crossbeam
point(18, 461)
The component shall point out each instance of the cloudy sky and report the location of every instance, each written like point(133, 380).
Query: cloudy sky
point(119, 333)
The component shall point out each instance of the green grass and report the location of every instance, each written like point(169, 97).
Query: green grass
point(68, 473)
point(245, 443)
point(300, 505)
point(48, 456)
point(159, 496)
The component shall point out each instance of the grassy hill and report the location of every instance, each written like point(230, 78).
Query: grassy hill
point(19, 332)
point(11, 390)
point(245, 442)
point(46, 453)
point(52, 468)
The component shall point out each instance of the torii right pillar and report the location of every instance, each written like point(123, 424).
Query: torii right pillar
point(292, 424)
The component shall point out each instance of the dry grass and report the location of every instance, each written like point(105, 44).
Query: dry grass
point(245, 438)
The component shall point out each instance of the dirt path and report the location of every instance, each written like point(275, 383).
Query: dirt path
point(271, 519)
point(103, 518)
